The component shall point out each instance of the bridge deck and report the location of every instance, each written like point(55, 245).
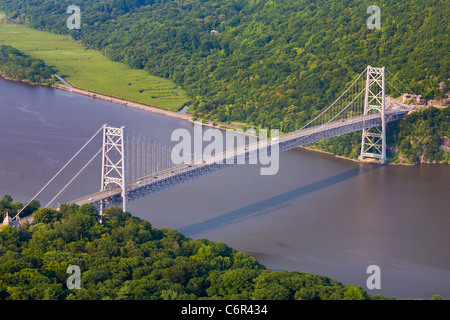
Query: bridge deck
point(185, 172)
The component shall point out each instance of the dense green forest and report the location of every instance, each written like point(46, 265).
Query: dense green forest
point(419, 137)
point(422, 136)
point(270, 63)
point(124, 257)
point(17, 66)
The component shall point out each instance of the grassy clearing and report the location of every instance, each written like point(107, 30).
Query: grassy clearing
point(90, 70)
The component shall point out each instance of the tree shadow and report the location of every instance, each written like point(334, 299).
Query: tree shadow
point(272, 204)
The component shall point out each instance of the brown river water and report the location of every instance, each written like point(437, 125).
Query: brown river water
point(318, 214)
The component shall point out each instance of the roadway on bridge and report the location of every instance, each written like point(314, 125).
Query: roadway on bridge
point(392, 107)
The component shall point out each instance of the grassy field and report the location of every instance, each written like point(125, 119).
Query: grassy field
point(90, 70)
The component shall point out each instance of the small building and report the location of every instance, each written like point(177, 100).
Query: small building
point(214, 32)
point(8, 221)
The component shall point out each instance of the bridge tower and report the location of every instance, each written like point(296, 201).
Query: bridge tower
point(114, 161)
point(373, 144)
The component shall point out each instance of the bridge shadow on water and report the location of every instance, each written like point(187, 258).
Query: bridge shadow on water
point(272, 204)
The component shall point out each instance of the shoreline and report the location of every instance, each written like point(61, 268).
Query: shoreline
point(124, 102)
point(187, 117)
point(371, 161)
point(142, 106)
point(361, 161)
point(24, 81)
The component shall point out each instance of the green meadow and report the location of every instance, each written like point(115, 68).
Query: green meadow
point(91, 70)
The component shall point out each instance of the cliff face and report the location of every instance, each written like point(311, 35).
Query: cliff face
point(421, 137)
point(444, 146)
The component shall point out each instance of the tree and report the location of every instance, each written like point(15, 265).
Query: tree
point(6, 201)
point(84, 219)
point(46, 215)
point(232, 284)
point(114, 217)
point(269, 290)
point(355, 293)
point(132, 260)
point(30, 208)
point(67, 209)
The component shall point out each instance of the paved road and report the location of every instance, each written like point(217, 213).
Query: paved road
point(63, 81)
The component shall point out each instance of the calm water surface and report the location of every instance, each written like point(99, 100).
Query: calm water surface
point(319, 214)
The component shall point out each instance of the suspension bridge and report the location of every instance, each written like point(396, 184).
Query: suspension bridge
point(134, 166)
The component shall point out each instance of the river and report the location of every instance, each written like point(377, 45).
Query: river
point(319, 214)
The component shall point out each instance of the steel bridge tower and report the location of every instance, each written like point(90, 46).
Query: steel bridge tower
point(373, 143)
point(114, 161)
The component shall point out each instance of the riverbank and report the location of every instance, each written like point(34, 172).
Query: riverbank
point(298, 200)
point(370, 160)
point(22, 80)
point(192, 119)
point(366, 160)
point(125, 102)
point(142, 106)
point(91, 70)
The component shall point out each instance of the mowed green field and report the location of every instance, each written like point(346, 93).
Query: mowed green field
point(90, 70)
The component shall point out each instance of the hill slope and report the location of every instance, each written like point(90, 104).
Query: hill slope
point(270, 63)
point(126, 258)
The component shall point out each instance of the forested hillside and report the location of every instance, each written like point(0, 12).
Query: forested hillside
point(268, 63)
point(124, 257)
point(421, 137)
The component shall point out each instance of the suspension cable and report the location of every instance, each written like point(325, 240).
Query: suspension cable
point(84, 167)
point(335, 100)
point(394, 87)
point(400, 82)
point(53, 178)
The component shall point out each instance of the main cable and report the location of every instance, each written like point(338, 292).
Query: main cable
point(84, 167)
point(53, 178)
